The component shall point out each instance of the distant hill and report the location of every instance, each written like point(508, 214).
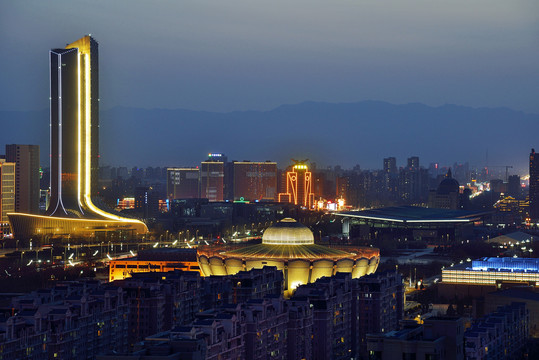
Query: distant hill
point(343, 133)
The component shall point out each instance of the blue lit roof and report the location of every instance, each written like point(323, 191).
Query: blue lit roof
point(506, 263)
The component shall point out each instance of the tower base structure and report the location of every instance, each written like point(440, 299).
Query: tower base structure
point(26, 226)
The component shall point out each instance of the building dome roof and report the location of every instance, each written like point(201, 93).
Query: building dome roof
point(289, 246)
point(288, 232)
point(448, 185)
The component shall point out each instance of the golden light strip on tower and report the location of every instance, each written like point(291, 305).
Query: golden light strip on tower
point(87, 125)
point(87, 172)
point(79, 165)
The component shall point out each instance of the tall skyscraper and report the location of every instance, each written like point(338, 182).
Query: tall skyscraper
point(534, 186)
point(26, 159)
point(74, 134)
point(74, 102)
point(7, 194)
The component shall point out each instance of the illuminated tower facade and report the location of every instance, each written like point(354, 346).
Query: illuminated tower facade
point(7, 194)
point(74, 140)
point(534, 186)
point(299, 186)
point(74, 126)
point(26, 159)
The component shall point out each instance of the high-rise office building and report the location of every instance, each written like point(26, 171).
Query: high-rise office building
point(299, 186)
point(183, 183)
point(534, 186)
point(74, 134)
point(255, 180)
point(212, 177)
point(7, 194)
point(26, 159)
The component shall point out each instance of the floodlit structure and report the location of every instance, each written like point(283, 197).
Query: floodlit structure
point(26, 159)
point(290, 247)
point(154, 260)
point(494, 271)
point(299, 186)
point(7, 194)
point(74, 138)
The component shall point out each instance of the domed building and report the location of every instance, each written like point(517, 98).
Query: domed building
point(290, 247)
point(446, 196)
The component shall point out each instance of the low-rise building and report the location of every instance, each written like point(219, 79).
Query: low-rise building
point(439, 338)
point(377, 307)
point(300, 328)
point(499, 335)
point(331, 300)
point(266, 323)
point(74, 320)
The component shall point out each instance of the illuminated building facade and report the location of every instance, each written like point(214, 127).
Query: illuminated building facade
point(123, 268)
point(74, 136)
point(255, 180)
point(212, 177)
point(126, 203)
point(26, 159)
point(510, 211)
point(299, 186)
point(154, 260)
point(290, 247)
point(183, 183)
point(494, 271)
point(534, 186)
point(7, 194)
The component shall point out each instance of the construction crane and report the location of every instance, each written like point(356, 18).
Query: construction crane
point(507, 167)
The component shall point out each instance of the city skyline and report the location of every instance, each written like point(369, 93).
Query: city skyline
point(459, 134)
point(269, 180)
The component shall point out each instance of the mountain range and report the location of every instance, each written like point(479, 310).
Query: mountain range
point(326, 133)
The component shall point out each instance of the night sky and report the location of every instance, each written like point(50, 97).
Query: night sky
point(256, 55)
